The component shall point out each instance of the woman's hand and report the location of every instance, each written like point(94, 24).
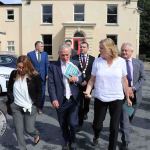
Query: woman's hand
point(87, 95)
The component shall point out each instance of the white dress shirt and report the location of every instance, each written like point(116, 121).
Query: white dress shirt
point(67, 92)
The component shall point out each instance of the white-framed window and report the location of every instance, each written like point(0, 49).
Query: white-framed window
point(114, 37)
point(47, 13)
point(11, 46)
point(47, 40)
point(10, 14)
point(79, 12)
point(112, 13)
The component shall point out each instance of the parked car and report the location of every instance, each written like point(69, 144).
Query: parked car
point(4, 77)
point(8, 60)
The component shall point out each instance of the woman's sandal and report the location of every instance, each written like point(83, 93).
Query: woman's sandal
point(36, 139)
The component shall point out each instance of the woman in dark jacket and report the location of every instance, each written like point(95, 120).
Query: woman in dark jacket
point(24, 93)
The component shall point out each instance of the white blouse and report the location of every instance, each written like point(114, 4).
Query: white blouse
point(108, 83)
point(21, 94)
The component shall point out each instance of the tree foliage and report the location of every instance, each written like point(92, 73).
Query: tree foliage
point(144, 5)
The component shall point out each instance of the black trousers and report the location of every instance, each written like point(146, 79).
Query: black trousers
point(100, 110)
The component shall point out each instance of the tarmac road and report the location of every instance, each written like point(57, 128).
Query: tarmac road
point(50, 132)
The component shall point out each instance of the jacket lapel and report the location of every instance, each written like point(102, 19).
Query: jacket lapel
point(59, 71)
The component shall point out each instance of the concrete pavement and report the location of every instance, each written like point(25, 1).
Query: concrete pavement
point(50, 132)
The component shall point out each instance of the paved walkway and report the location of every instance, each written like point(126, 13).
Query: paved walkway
point(51, 134)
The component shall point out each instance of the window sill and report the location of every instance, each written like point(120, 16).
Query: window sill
point(9, 20)
point(112, 24)
point(46, 24)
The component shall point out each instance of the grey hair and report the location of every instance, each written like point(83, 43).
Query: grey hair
point(64, 46)
point(127, 44)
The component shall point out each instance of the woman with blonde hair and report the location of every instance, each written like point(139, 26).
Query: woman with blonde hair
point(109, 80)
point(24, 93)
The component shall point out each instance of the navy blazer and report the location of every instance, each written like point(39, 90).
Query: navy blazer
point(42, 66)
point(56, 86)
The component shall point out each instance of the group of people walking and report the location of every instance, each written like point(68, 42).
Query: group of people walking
point(111, 78)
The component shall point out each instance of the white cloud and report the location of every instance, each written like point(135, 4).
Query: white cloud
point(10, 1)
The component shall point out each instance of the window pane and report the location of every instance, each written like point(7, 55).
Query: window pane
point(47, 14)
point(47, 9)
point(47, 40)
point(113, 37)
point(79, 17)
point(112, 19)
point(47, 18)
point(10, 14)
point(112, 9)
point(79, 8)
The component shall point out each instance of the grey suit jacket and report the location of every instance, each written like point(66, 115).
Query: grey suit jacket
point(138, 79)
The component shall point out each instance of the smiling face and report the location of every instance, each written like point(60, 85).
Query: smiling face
point(126, 51)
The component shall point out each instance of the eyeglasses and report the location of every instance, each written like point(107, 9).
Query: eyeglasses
point(82, 47)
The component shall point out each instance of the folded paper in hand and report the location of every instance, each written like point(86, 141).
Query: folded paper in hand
point(72, 70)
point(128, 109)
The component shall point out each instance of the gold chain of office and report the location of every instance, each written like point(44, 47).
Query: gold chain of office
point(86, 64)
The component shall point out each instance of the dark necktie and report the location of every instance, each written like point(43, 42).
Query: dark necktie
point(39, 56)
point(83, 61)
point(129, 76)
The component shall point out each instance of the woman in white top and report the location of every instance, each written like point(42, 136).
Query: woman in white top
point(24, 93)
point(109, 80)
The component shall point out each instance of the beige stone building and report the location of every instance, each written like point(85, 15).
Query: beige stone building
point(53, 21)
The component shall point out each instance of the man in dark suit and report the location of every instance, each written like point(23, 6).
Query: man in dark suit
point(63, 93)
point(86, 62)
point(73, 51)
point(136, 77)
point(39, 59)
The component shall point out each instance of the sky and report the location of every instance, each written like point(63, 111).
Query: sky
point(10, 1)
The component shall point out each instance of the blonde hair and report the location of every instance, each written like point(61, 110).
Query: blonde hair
point(110, 47)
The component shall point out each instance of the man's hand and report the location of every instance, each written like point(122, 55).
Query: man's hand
point(84, 83)
point(129, 102)
point(55, 104)
point(131, 92)
point(73, 79)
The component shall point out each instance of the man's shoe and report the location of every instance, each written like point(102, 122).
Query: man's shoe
point(73, 146)
point(40, 111)
point(79, 128)
point(85, 117)
point(124, 146)
point(65, 147)
point(95, 141)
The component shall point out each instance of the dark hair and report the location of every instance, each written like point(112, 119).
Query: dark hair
point(37, 42)
point(28, 67)
point(68, 41)
point(85, 43)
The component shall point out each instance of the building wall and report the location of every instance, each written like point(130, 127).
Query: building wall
point(11, 29)
point(94, 27)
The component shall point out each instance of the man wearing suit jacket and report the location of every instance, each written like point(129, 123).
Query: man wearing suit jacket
point(86, 62)
point(63, 93)
point(137, 76)
point(39, 59)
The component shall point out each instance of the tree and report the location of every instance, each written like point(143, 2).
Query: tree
point(144, 5)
